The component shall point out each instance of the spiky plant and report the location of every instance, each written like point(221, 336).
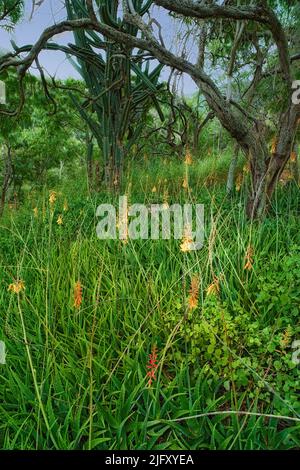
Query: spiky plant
point(120, 81)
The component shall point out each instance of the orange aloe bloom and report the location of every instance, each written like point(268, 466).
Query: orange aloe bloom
point(274, 145)
point(286, 338)
point(17, 287)
point(187, 240)
point(77, 295)
point(52, 197)
point(293, 157)
point(214, 287)
point(239, 182)
point(152, 366)
point(66, 207)
point(194, 293)
point(185, 183)
point(249, 258)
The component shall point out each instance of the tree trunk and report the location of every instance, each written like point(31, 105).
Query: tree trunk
point(267, 167)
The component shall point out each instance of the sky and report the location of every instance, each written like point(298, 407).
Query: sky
point(56, 63)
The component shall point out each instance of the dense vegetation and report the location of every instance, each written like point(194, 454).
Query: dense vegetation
point(144, 344)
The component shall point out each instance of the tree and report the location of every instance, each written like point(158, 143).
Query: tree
point(120, 83)
point(38, 140)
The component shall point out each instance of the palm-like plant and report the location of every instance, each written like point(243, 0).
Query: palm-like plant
point(120, 81)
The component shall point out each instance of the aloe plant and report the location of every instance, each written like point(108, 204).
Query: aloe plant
point(120, 81)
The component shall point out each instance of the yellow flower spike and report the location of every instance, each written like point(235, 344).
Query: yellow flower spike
point(59, 220)
point(35, 212)
point(154, 190)
point(286, 338)
point(239, 182)
point(185, 183)
point(77, 294)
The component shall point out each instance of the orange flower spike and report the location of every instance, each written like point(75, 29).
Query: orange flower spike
point(17, 287)
point(152, 366)
point(249, 258)
point(274, 145)
point(194, 293)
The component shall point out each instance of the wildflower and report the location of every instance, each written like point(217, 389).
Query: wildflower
point(238, 183)
point(286, 176)
point(188, 158)
point(65, 207)
point(214, 287)
point(122, 224)
point(52, 197)
point(154, 189)
point(166, 197)
point(152, 366)
point(35, 212)
point(17, 287)
point(249, 258)
point(193, 293)
point(286, 338)
point(293, 157)
point(59, 220)
point(187, 240)
point(77, 294)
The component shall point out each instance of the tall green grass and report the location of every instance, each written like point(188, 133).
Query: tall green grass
point(76, 378)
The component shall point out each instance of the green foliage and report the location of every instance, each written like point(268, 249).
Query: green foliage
point(233, 352)
point(39, 139)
